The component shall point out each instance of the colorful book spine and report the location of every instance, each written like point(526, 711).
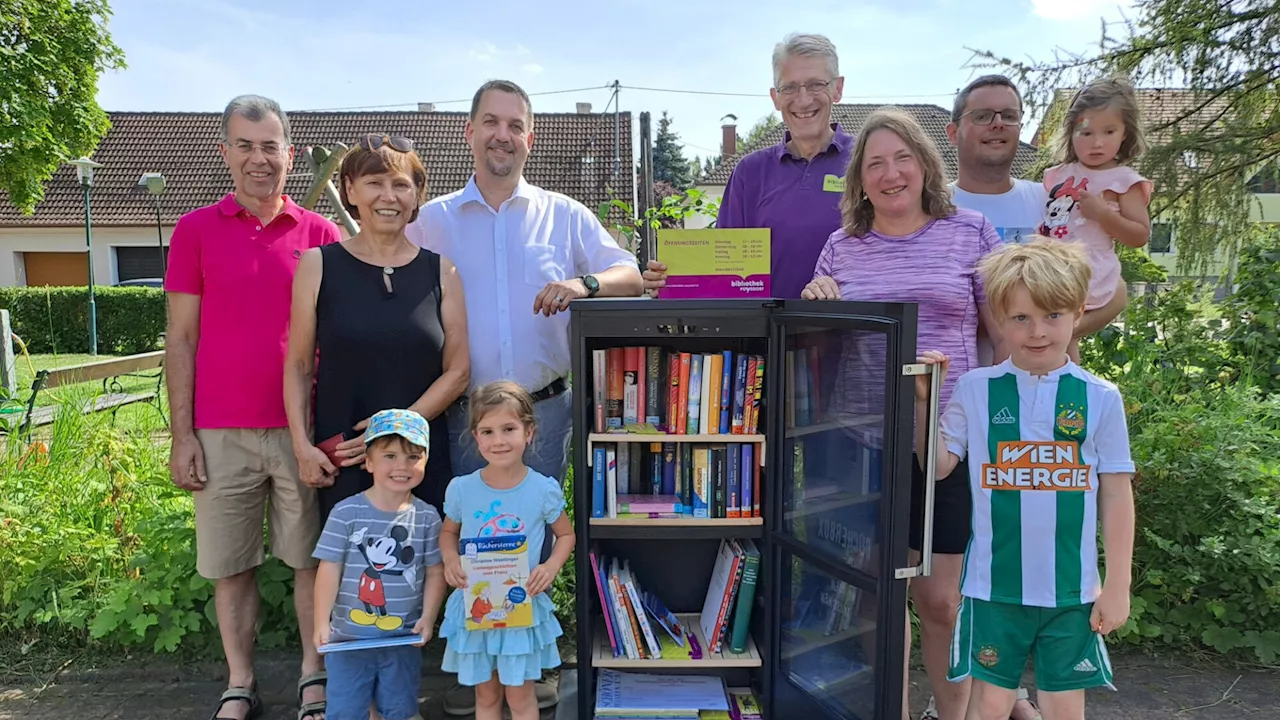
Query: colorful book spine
point(726, 392)
point(630, 386)
point(746, 595)
point(674, 389)
point(739, 393)
point(599, 381)
point(733, 499)
point(695, 394)
point(712, 403)
point(702, 482)
point(758, 391)
point(615, 358)
point(599, 478)
point(668, 469)
point(653, 398)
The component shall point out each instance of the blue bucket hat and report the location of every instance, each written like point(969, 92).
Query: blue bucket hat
point(406, 423)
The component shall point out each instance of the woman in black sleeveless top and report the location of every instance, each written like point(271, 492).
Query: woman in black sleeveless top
point(388, 321)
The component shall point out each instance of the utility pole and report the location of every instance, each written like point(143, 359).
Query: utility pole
point(645, 190)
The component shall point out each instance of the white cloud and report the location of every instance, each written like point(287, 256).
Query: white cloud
point(532, 68)
point(1077, 9)
point(485, 52)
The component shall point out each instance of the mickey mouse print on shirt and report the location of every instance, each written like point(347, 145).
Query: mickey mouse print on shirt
point(383, 556)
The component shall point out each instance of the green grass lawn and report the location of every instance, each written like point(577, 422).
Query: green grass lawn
point(136, 416)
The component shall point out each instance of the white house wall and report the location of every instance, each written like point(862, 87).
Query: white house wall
point(15, 241)
point(698, 222)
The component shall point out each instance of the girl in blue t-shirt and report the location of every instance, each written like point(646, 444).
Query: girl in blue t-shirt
point(504, 498)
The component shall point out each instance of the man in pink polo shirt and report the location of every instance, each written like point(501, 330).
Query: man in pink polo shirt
point(229, 284)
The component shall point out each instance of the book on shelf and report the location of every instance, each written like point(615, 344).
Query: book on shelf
point(663, 479)
point(635, 618)
point(624, 695)
point(715, 393)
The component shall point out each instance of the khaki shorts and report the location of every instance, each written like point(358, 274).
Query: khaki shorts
point(251, 470)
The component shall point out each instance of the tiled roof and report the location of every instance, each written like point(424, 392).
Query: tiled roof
point(573, 153)
point(932, 118)
point(1159, 108)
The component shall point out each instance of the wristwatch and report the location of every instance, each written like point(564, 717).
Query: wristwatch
point(592, 285)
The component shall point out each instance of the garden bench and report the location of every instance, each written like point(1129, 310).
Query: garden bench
point(109, 371)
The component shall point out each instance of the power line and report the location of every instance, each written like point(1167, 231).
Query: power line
point(765, 95)
point(453, 102)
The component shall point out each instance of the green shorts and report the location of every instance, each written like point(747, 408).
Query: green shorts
point(992, 641)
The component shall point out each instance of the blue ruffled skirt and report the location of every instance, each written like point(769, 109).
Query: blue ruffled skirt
point(517, 654)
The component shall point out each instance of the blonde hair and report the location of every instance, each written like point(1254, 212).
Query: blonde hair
point(1057, 274)
point(856, 211)
point(501, 394)
point(1117, 93)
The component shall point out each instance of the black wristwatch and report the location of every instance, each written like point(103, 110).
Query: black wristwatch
point(592, 285)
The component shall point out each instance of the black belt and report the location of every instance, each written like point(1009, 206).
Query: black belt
point(554, 388)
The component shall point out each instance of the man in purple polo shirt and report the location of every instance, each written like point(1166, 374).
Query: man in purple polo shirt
point(793, 188)
point(229, 283)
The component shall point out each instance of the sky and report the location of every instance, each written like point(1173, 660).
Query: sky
point(195, 55)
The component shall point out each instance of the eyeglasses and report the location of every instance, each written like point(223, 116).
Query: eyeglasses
point(373, 141)
point(813, 87)
point(983, 116)
point(270, 149)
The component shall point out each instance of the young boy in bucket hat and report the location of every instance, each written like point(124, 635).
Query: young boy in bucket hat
point(380, 576)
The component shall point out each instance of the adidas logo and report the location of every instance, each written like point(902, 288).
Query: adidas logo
point(1004, 417)
point(1085, 666)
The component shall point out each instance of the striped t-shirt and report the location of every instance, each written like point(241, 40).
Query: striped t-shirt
point(934, 267)
point(384, 557)
point(1036, 446)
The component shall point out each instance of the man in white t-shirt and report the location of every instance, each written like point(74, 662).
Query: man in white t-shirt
point(985, 122)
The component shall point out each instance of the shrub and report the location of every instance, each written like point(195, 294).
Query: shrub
point(1254, 308)
point(1207, 491)
point(56, 319)
point(1207, 557)
point(1137, 266)
point(98, 545)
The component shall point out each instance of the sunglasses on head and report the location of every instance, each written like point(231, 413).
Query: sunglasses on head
point(373, 141)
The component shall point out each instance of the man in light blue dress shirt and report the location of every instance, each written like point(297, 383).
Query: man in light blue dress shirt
point(523, 253)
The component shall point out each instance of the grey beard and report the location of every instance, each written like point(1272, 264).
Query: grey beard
point(499, 170)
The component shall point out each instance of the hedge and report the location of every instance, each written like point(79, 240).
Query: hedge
point(56, 319)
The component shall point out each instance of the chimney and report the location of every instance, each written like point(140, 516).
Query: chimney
point(728, 140)
point(426, 107)
point(584, 108)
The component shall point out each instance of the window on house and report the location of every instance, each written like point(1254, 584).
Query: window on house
point(1161, 238)
point(1266, 181)
point(136, 263)
point(1190, 159)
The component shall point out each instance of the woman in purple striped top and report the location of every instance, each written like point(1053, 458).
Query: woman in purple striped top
point(904, 241)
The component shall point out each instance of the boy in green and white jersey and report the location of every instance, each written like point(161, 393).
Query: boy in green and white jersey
point(1048, 451)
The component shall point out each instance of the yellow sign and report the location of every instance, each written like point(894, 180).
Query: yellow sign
point(831, 183)
point(715, 263)
point(1036, 465)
